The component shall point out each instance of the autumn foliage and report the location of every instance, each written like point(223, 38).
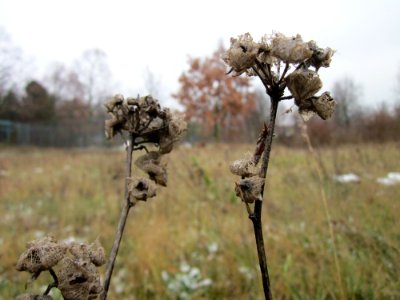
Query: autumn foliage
point(213, 100)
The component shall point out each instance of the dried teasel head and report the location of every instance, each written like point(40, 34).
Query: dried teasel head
point(41, 255)
point(290, 49)
point(249, 189)
point(140, 189)
point(242, 53)
point(78, 279)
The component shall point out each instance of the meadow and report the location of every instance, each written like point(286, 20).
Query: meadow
point(194, 240)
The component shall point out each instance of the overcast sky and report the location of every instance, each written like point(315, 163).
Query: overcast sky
point(161, 35)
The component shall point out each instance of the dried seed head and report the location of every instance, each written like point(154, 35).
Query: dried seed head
point(249, 189)
point(321, 57)
point(93, 252)
point(33, 297)
point(324, 105)
point(290, 49)
point(143, 117)
point(176, 128)
point(303, 84)
point(97, 254)
point(265, 51)
point(242, 53)
point(78, 279)
point(151, 164)
point(41, 255)
point(140, 189)
point(243, 167)
point(113, 102)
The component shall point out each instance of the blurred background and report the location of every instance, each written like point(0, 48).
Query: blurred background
point(60, 61)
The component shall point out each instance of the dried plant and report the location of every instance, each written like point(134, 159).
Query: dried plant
point(142, 123)
point(280, 62)
point(75, 275)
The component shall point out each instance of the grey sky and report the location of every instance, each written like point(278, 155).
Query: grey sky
point(160, 35)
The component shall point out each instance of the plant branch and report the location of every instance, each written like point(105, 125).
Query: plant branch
point(263, 80)
point(284, 73)
point(122, 219)
point(266, 74)
point(53, 284)
point(286, 98)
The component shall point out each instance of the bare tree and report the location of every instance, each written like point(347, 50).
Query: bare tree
point(10, 56)
point(152, 83)
point(346, 92)
point(95, 75)
point(63, 82)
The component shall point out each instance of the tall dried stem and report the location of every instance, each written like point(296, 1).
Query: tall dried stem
point(255, 216)
point(122, 219)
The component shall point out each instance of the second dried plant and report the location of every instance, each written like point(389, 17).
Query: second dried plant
point(143, 125)
point(284, 65)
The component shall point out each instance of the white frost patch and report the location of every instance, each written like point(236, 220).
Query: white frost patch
point(347, 178)
point(391, 178)
point(72, 239)
point(4, 173)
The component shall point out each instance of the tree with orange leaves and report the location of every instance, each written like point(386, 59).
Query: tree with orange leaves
point(213, 100)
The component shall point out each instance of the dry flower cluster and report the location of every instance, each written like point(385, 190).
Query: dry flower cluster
point(280, 62)
point(75, 275)
point(265, 60)
point(142, 123)
point(147, 123)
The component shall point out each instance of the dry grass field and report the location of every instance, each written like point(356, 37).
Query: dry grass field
point(194, 240)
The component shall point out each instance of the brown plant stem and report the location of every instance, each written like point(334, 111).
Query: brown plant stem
point(53, 284)
point(255, 217)
point(122, 220)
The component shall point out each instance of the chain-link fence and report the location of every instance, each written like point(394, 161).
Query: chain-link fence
point(66, 134)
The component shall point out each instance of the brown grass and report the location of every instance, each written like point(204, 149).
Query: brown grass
point(77, 193)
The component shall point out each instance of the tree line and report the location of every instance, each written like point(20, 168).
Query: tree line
point(218, 108)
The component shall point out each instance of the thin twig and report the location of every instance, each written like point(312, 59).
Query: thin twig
point(53, 284)
point(266, 74)
point(284, 73)
point(122, 220)
point(263, 80)
point(286, 98)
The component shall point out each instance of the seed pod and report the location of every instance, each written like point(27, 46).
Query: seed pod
point(243, 167)
point(78, 279)
point(324, 105)
point(113, 102)
point(242, 53)
point(151, 164)
point(140, 189)
point(321, 57)
point(249, 189)
point(290, 49)
point(41, 255)
point(303, 84)
point(97, 254)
